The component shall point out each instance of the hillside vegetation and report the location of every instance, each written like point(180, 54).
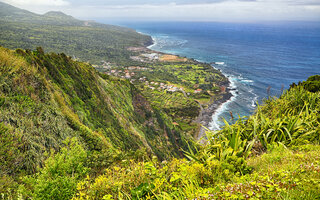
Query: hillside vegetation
point(183, 88)
point(57, 32)
point(67, 133)
point(47, 98)
point(196, 84)
point(273, 154)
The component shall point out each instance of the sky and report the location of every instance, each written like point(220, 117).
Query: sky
point(180, 10)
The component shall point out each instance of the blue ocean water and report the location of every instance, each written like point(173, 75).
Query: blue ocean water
point(255, 56)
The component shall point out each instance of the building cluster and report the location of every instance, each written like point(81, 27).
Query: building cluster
point(106, 65)
point(162, 86)
point(137, 58)
point(197, 91)
point(127, 73)
point(138, 68)
point(132, 76)
point(151, 56)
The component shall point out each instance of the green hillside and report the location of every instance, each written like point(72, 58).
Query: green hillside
point(57, 32)
point(69, 132)
point(47, 98)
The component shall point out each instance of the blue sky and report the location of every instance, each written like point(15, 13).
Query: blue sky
point(183, 10)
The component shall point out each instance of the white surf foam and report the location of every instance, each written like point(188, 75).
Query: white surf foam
point(154, 43)
point(161, 42)
point(247, 81)
point(217, 123)
point(214, 124)
point(254, 99)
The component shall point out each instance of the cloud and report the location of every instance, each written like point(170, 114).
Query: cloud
point(145, 2)
point(184, 10)
point(305, 2)
point(227, 10)
point(290, 2)
point(38, 2)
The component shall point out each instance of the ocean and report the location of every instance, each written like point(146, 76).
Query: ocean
point(255, 57)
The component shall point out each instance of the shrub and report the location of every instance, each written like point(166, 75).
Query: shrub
point(59, 176)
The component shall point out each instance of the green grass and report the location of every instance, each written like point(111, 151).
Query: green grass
point(278, 174)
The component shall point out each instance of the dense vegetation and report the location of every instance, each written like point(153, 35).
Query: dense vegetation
point(57, 32)
point(67, 132)
point(47, 98)
point(273, 154)
point(312, 84)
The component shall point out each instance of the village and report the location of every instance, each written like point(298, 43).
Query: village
point(131, 73)
point(141, 75)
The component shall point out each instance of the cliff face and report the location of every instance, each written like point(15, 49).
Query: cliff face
point(45, 98)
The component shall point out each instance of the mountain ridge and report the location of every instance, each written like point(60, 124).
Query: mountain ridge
point(59, 32)
point(9, 10)
point(56, 13)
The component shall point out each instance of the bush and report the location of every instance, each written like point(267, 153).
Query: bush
point(59, 177)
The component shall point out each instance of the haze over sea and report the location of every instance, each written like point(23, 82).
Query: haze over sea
point(256, 56)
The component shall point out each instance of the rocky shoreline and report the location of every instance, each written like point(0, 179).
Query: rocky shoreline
point(205, 115)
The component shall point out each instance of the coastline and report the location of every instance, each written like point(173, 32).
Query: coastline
point(205, 117)
point(207, 114)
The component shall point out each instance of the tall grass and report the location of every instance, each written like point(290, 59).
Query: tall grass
point(291, 119)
